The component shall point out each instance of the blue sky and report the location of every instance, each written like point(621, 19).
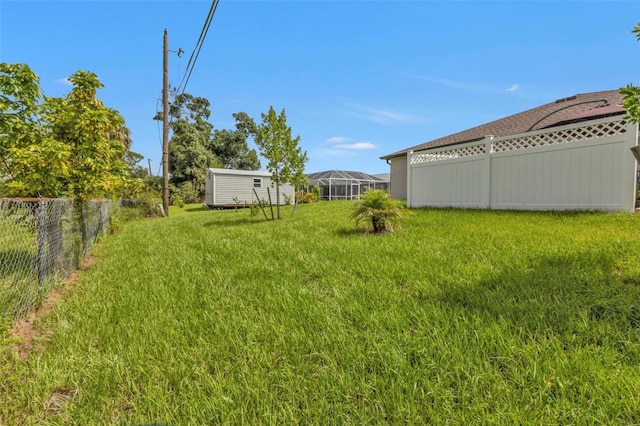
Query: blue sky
point(358, 79)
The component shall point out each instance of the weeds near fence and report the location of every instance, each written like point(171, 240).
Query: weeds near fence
point(41, 242)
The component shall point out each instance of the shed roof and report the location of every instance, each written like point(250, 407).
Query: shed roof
point(586, 106)
point(236, 172)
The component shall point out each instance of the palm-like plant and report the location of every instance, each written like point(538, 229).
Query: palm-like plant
point(378, 210)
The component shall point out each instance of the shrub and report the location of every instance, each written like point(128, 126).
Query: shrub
point(145, 203)
point(254, 207)
point(378, 210)
point(177, 200)
point(183, 194)
point(305, 197)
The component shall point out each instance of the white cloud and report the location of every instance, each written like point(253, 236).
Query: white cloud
point(513, 88)
point(338, 139)
point(357, 146)
point(330, 153)
point(65, 81)
point(340, 145)
point(384, 116)
point(451, 83)
point(463, 85)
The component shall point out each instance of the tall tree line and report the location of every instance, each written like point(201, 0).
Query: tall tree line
point(196, 146)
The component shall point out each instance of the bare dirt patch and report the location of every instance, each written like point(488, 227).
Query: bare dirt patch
point(59, 400)
point(25, 332)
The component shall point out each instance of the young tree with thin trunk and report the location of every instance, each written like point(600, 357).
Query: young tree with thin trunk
point(285, 158)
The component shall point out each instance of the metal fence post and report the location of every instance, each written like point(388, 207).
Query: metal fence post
point(41, 214)
point(41, 241)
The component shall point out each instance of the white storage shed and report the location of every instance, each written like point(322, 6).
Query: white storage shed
point(228, 188)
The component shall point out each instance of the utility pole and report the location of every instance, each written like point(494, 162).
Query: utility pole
point(165, 124)
point(150, 171)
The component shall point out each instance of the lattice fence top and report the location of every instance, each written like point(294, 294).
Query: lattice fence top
point(549, 137)
point(575, 134)
point(460, 152)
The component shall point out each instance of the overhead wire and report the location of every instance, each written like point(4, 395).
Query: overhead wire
point(194, 55)
point(159, 123)
point(196, 51)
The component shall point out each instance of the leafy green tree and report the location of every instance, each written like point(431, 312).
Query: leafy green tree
point(135, 171)
point(137, 176)
point(96, 137)
point(231, 148)
point(189, 157)
point(195, 146)
point(631, 100)
point(378, 210)
point(20, 97)
point(190, 153)
point(285, 158)
point(31, 162)
point(298, 178)
point(59, 147)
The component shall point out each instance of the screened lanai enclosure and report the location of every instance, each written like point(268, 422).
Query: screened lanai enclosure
point(345, 185)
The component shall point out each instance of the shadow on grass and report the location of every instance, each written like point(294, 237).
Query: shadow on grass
point(192, 209)
point(229, 223)
point(556, 295)
point(350, 231)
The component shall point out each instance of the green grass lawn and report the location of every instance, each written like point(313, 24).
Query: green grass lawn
point(459, 317)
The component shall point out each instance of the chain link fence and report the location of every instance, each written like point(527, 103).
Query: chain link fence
point(41, 242)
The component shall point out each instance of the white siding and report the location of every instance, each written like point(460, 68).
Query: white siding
point(398, 185)
point(224, 185)
point(230, 186)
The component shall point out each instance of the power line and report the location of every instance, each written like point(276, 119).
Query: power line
point(203, 35)
point(196, 51)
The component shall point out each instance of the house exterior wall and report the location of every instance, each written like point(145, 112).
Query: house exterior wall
point(398, 184)
point(588, 166)
point(222, 186)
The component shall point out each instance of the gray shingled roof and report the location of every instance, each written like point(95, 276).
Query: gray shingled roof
point(586, 106)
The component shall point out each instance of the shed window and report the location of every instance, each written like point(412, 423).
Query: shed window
point(257, 183)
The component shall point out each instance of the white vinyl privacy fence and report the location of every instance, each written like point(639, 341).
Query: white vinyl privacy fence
point(573, 167)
